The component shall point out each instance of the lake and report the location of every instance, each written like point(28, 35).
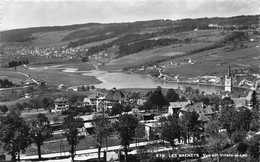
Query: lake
point(122, 80)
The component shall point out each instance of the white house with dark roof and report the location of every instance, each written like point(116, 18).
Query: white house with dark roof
point(61, 104)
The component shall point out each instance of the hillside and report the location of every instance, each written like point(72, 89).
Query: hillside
point(133, 45)
point(98, 32)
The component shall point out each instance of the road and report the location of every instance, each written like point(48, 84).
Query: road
point(86, 154)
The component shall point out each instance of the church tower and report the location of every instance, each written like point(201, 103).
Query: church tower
point(228, 80)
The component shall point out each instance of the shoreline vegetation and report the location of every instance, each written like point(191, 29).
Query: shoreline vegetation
point(79, 71)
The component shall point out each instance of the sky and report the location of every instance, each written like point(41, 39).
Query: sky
point(34, 13)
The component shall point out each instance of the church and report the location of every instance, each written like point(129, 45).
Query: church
point(228, 80)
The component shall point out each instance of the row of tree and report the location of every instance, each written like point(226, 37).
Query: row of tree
point(127, 49)
point(17, 63)
point(16, 134)
point(5, 83)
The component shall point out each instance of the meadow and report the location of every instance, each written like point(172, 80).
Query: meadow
point(216, 63)
point(152, 56)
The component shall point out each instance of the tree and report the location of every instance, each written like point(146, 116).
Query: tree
point(35, 104)
point(85, 59)
point(182, 98)
point(217, 144)
point(135, 95)
point(228, 119)
point(227, 101)
point(147, 106)
point(217, 140)
point(254, 101)
point(47, 103)
point(3, 108)
point(70, 127)
point(40, 131)
point(126, 126)
point(190, 125)
point(157, 98)
point(73, 99)
point(14, 133)
point(127, 108)
point(170, 128)
point(101, 128)
point(254, 147)
point(215, 100)
point(255, 122)
point(189, 90)
point(206, 101)
point(116, 109)
point(172, 96)
point(244, 118)
point(92, 87)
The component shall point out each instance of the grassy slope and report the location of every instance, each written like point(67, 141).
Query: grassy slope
point(49, 38)
point(201, 38)
point(56, 76)
point(240, 58)
point(144, 57)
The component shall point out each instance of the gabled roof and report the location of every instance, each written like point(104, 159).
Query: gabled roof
point(230, 94)
point(175, 105)
point(198, 108)
point(203, 118)
point(61, 99)
point(114, 95)
point(249, 96)
point(239, 102)
point(251, 78)
point(193, 95)
point(87, 100)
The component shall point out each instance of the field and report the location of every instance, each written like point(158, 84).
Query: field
point(5, 59)
point(216, 63)
point(151, 56)
point(54, 76)
point(62, 145)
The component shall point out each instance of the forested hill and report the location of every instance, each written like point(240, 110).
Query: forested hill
point(84, 33)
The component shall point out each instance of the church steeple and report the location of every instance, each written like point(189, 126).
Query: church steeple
point(228, 80)
point(229, 71)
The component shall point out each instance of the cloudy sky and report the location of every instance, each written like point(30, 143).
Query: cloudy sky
point(34, 13)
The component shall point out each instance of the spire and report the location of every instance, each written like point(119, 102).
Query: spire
point(229, 71)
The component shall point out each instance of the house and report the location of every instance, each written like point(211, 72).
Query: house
point(61, 104)
point(27, 95)
point(174, 107)
point(96, 99)
point(140, 102)
point(149, 127)
point(205, 112)
point(30, 81)
point(87, 102)
point(115, 95)
point(240, 102)
point(248, 98)
point(136, 113)
point(61, 86)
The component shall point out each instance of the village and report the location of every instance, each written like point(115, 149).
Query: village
point(149, 108)
point(130, 81)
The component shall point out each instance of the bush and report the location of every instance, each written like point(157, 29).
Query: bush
point(238, 137)
point(242, 147)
